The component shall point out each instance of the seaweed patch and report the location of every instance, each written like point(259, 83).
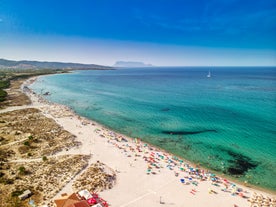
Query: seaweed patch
point(240, 164)
point(165, 109)
point(187, 132)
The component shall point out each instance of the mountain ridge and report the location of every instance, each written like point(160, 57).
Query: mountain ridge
point(33, 64)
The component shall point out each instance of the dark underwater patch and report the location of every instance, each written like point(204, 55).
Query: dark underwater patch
point(187, 132)
point(165, 109)
point(240, 164)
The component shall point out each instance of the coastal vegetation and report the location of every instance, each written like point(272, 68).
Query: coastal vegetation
point(29, 143)
point(98, 174)
point(24, 127)
point(27, 134)
point(7, 77)
point(31, 133)
point(3, 84)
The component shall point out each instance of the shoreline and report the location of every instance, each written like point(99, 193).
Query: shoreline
point(229, 177)
point(40, 102)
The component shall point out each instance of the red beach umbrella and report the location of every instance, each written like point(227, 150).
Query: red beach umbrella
point(92, 201)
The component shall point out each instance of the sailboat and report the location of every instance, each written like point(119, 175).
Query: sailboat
point(209, 74)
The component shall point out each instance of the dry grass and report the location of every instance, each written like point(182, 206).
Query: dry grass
point(97, 177)
point(43, 178)
point(29, 134)
point(15, 96)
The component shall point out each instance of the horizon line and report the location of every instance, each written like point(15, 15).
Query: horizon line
point(152, 66)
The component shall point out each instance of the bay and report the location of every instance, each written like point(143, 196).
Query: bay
point(225, 123)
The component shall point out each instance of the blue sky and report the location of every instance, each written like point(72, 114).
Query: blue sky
point(161, 32)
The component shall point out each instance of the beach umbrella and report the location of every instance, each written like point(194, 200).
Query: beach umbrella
point(226, 181)
point(182, 180)
point(95, 195)
point(91, 201)
point(194, 183)
point(241, 194)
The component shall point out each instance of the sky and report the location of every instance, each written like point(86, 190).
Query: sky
point(159, 32)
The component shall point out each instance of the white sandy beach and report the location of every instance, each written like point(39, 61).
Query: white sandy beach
point(140, 182)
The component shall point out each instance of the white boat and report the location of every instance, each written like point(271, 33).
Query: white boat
point(209, 74)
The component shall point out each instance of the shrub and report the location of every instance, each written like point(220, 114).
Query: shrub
point(17, 193)
point(12, 201)
point(44, 158)
point(22, 170)
point(6, 181)
point(23, 149)
point(1, 174)
point(3, 95)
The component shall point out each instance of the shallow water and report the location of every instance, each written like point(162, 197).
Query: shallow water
point(226, 123)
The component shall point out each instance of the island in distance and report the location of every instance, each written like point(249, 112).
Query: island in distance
point(131, 64)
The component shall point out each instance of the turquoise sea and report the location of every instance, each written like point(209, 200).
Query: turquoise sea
point(226, 123)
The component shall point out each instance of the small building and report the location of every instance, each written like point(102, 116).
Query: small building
point(97, 205)
point(26, 194)
point(82, 203)
point(70, 201)
point(85, 194)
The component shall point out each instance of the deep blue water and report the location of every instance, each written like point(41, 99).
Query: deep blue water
point(226, 123)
